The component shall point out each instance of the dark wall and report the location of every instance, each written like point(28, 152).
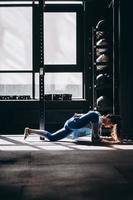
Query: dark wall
point(126, 68)
point(16, 115)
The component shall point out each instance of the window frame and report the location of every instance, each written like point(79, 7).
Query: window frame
point(15, 4)
point(78, 67)
point(79, 37)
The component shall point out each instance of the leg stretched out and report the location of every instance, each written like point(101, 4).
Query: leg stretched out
point(58, 135)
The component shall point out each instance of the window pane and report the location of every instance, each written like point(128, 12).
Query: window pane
point(62, 83)
point(15, 84)
point(59, 38)
point(15, 38)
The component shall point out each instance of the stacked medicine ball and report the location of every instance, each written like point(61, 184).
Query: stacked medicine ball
point(103, 69)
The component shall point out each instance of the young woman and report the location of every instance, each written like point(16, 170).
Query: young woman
point(76, 125)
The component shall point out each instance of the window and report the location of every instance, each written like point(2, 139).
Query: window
point(60, 38)
point(63, 48)
point(20, 40)
point(62, 83)
point(16, 84)
point(15, 38)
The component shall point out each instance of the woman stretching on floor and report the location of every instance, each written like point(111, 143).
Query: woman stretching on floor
point(76, 125)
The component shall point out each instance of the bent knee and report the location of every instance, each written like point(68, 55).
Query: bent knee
point(94, 116)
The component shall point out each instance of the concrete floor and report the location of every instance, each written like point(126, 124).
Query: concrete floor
point(37, 170)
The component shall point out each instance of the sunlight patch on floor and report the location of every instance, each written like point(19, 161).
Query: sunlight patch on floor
point(33, 143)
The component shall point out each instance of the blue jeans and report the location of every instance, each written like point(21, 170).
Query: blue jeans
point(74, 123)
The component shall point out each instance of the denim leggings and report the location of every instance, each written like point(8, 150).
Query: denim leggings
point(74, 123)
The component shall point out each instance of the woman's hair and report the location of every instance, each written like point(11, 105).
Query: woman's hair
point(115, 119)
